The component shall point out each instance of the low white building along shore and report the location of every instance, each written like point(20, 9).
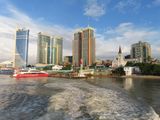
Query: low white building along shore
point(6, 64)
point(131, 70)
point(57, 67)
point(119, 60)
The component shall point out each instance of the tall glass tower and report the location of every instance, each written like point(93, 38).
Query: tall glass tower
point(58, 50)
point(44, 43)
point(50, 49)
point(21, 48)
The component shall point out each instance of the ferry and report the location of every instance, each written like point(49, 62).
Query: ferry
point(6, 71)
point(29, 73)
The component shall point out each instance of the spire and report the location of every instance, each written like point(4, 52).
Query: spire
point(120, 51)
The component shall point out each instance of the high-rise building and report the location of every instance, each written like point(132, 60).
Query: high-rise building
point(141, 51)
point(58, 50)
point(50, 49)
point(21, 48)
point(84, 47)
point(43, 48)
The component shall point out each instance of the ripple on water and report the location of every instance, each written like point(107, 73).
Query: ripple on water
point(75, 103)
point(18, 100)
point(22, 106)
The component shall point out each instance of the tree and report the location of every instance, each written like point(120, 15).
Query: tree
point(119, 71)
point(130, 64)
point(67, 67)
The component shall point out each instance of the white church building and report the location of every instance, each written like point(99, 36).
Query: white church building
point(119, 60)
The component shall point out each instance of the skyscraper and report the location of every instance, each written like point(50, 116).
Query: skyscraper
point(50, 49)
point(21, 48)
point(43, 49)
point(84, 47)
point(58, 49)
point(141, 51)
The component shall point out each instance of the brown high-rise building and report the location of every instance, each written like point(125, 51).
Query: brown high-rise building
point(84, 47)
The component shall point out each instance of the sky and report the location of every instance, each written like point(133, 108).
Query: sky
point(116, 23)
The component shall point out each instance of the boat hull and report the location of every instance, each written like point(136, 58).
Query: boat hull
point(30, 75)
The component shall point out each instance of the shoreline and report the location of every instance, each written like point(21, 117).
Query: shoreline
point(142, 76)
point(103, 76)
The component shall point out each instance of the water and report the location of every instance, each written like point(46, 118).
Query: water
point(145, 90)
point(65, 99)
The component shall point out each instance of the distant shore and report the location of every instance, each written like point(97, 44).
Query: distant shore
point(131, 76)
point(142, 76)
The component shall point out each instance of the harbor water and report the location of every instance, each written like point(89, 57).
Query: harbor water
point(85, 99)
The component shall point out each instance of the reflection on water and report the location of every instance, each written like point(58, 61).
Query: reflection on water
point(148, 91)
point(128, 83)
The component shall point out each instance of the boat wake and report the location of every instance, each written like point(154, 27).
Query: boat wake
point(82, 101)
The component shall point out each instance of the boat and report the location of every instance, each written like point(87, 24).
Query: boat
point(88, 71)
point(29, 73)
point(6, 71)
point(79, 75)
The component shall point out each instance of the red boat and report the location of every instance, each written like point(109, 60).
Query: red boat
point(29, 73)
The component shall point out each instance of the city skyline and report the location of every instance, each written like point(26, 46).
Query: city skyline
point(130, 27)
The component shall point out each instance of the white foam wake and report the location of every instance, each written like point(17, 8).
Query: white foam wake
point(82, 101)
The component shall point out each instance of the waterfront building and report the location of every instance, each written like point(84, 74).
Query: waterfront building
point(58, 50)
point(6, 64)
point(50, 49)
point(99, 62)
point(141, 51)
point(131, 70)
point(21, 48)
point(68, 60)
point(84, 47)
point(119, 60)
point(57, 67)
point(43, 48)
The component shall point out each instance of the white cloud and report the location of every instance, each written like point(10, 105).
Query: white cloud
point(125, 35)
point(94, 9)
point(107, 43)
point(17, 19)
point(128, 5)
point(156, 2)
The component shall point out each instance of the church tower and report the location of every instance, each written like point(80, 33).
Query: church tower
point(119, 60)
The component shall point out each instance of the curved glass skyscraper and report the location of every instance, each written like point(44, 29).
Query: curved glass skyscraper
point(21, 48)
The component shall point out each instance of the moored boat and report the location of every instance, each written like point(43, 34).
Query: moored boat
point(6, 71)
point(29, 73)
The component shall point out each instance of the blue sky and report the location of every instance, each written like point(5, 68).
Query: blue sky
point(118, 22)
point(71, 13)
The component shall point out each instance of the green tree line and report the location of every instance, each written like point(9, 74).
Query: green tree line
point(146, 68)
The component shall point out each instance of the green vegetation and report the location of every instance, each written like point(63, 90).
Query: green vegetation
point(119, 71)
point(44, 68)
point(147, 68)
point(67, 67)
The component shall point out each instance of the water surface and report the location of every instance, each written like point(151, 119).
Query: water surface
point(66, 99)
